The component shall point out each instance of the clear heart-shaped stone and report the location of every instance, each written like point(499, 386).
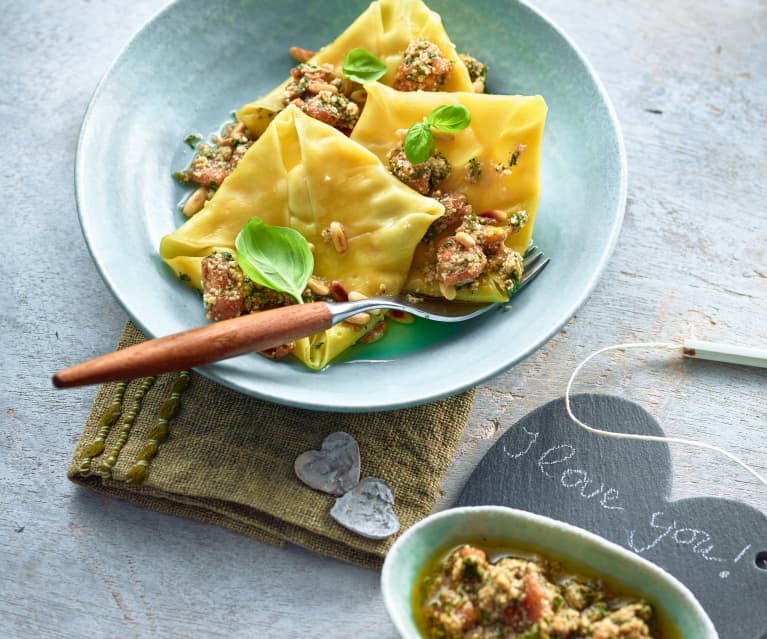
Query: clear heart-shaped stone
point(367, 509)
point(335, 468)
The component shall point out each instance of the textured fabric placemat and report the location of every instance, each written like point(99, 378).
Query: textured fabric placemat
point(209, 453)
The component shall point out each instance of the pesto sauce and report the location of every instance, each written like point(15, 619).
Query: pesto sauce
point(660, 626)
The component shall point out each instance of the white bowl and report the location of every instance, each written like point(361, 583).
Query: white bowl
point(449, 528)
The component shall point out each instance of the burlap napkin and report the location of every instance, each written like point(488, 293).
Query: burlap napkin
point(214, 455)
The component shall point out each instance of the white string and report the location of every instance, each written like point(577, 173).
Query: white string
point(646, 438)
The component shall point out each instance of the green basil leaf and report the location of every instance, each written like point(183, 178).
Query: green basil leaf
point(362, 66)
point(419, 143)
point(449, 118)
point(275, 257)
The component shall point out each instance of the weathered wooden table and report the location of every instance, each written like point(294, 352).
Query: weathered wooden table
point(689, 83)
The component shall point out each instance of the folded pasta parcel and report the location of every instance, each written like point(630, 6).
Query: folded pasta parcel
point(363, 223)
point(387, 29)
point(487, 176)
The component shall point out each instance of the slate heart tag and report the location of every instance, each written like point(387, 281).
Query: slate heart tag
point(335, 468)
point(367, 509)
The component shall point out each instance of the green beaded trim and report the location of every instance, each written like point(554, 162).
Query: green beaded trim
point(137, 474)
point(108, 418)
point(105, 468)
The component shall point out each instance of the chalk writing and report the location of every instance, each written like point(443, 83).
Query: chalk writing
point(550, 458)
point(583, 480)
point(726, 573)
point(696, 539)
point(560, 463)
point(522, 453)
point(740, 555)
point(570, 477)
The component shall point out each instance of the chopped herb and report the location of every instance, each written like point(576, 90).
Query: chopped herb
point(514, 158)
point(213, 186)
point(192, 140)
point(471, 569)
point(601, 610)
point(473, 170)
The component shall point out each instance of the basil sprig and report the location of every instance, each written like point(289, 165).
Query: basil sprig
point(276, 257)
point(362, 66)
point(447, 118)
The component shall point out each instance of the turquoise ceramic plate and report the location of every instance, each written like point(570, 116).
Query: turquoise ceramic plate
point(513, 528)
point(198, 60)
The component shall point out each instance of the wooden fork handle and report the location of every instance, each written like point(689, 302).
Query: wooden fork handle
point(210, 343)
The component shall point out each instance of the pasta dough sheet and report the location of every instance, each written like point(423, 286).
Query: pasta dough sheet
point(385, 29)
point(304, 174)
point(501, 126)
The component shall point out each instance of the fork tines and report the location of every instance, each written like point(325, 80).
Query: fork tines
point(534, 263)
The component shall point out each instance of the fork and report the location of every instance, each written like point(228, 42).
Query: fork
point(264, 330)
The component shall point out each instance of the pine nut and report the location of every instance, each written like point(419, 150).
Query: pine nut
point(195, 202)
point(299, 54)
point(359, 96)
point(318, 87)
point(318, 287)
point(338, 237)
point(465, 240)
point(496, 215)
point(348, 87)
point(237, 130)
point(448, 291)
point(360, 319)
point(442, 137)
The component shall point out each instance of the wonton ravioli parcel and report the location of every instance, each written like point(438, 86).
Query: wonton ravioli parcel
point(399, 172)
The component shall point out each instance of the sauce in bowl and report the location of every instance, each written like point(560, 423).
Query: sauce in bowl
point(478, 591)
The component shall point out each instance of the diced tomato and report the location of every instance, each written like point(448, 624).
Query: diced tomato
point(467, 615)
point(534, 602)
point(514, 617)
